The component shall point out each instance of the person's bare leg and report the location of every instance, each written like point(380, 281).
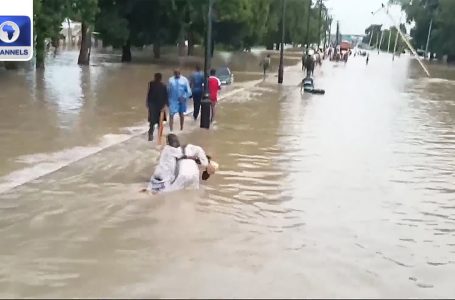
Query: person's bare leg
point(182, 120)
point(213, 105)
point(171, 122)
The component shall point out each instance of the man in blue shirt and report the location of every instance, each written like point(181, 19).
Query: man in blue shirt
point(197, 88)
point(179, 92)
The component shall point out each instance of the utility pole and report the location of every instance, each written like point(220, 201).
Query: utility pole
point(307, 39)
point(70, 33)
point(433, 5)
point(371, 37)
point(380, 42)
point(325, 29)
point(388, 45)
point(281, 67)
point(428, 37)
point(337, 41)
point(206, 110)
point(395, 47)
point(330, 30)
point(319, 24)
point(396, 39)
point(377, 40)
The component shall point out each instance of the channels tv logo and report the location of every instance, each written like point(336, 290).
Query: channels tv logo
point(15, 38)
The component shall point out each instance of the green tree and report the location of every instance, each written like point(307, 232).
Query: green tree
point(231, 22)
point(48, 18)
point(443, 36)
point(295, 23)
point(272, 32)
point(85, 12)
point(111, 23)
point(420, 13)
point(258, 18)
point(372, 31)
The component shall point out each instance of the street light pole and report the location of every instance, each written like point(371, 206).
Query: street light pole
point(330, 30)
point(390, 35)
point(377, 41)
point(206, 109)
point(281, 67)
point(395, 47)
point(338, 34)
point(371, 37)
point(428, 38)
point(325, 29)
point(319, 24)
point(307, 39)
point(380, 41)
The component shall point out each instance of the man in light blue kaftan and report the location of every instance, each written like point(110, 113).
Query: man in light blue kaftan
point(179, 92)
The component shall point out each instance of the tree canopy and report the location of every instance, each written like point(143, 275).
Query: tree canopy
point(237, 24)
point(442, 12)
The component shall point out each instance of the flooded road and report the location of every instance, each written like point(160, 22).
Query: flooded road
point(53, 117)
point(350, 194)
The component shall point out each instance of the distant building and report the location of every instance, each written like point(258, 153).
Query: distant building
point(354, 39)
point(71, 33)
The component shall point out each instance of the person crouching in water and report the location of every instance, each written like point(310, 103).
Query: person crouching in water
point(178, 167)
point(157, 101)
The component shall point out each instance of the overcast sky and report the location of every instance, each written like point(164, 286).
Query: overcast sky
point(355, 15)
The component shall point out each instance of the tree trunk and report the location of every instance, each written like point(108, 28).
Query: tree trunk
point(126, 52)
point(190, 43)
point(269, 46)
point(55, 43)
point(40, 51)
point(181, 47)
point(277, 46)
point(181, 40)
point(70, 33)
point(212, 50)
point(156, 50)
point(84, 53)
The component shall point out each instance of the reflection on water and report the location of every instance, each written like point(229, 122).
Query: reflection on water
point(67, 95)
point(347, 194)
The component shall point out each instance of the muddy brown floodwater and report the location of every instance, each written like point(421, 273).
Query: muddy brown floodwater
point(350, 194)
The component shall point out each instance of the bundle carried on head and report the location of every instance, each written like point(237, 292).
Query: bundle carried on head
point(211, 168)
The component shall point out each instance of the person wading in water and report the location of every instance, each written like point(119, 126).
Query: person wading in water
point(179, 92)
point(214, 88)
point(265, 63)
point(197, 83)
point(309, 64)
point(157, 101)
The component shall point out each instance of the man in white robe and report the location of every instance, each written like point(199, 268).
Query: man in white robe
point(178, 167)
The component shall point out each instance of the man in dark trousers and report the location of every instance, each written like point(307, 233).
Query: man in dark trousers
point(309, 64)
point(197, 87)
point(157, 101)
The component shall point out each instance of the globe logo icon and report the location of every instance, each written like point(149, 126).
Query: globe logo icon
point(9, 32)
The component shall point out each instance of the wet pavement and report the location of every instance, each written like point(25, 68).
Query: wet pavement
point(350, 194)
